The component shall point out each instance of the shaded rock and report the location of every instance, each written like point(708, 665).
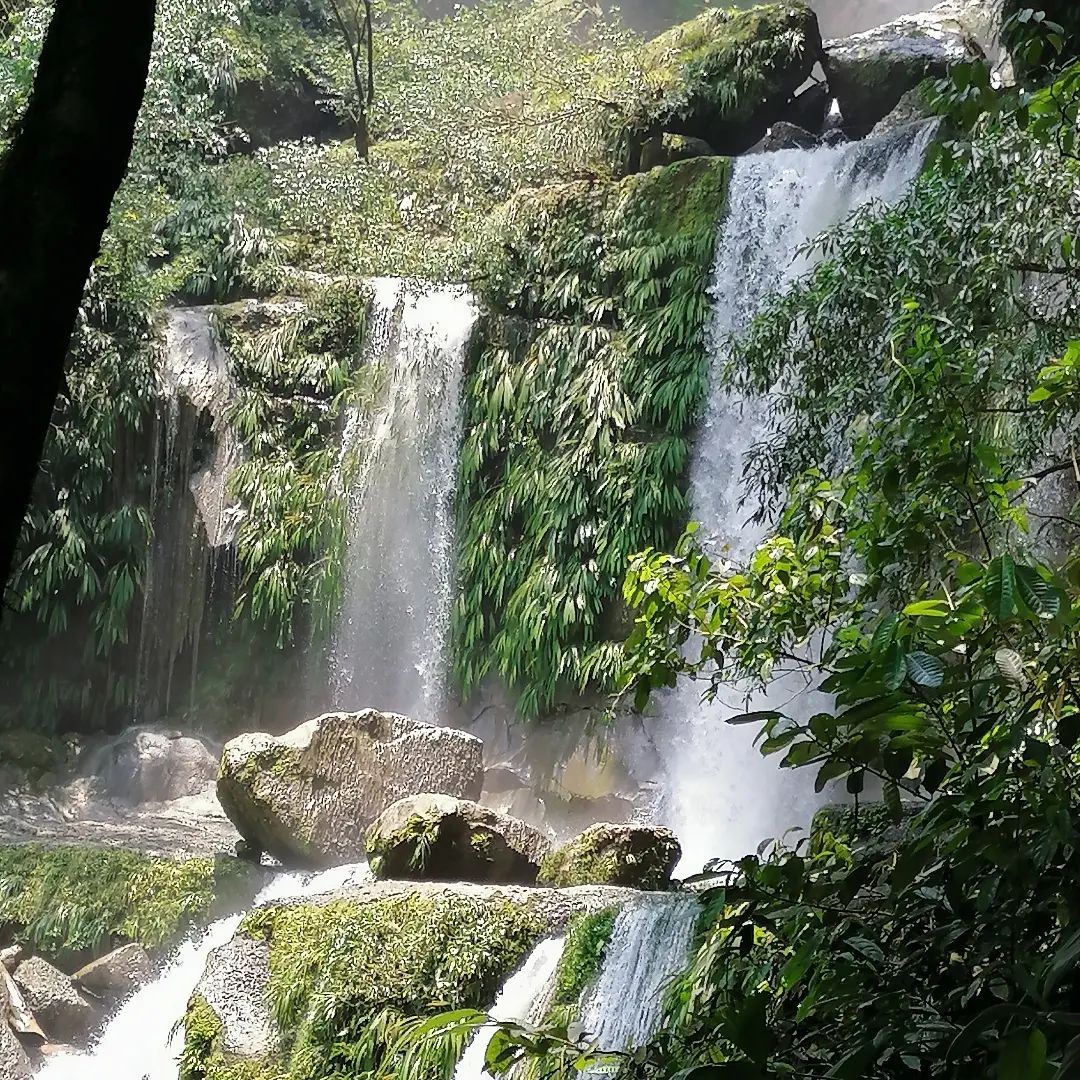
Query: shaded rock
point(870, 72)
point(445, 839)
point(632, 856)
point(14, 1064)
point(307, 796)
point(912, 108)
point(727, 75)
point(667, 149)
point(12, 956)
point(270, 111)
point(810, 109)
point(64, 1013)
point(785, 136)
point(14, 1010)
point(117, 974)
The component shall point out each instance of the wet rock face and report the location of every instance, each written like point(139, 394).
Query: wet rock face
point(870, 72)
point(63, 1012)
point(632, 856)
point(306, 797)
point(438, 838)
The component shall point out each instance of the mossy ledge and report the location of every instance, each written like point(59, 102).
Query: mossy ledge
point(86, 900)
point(334, 983)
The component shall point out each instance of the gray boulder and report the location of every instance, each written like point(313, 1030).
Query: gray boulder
point(63, 1012)
point(785, 136)
point(14, 1064)
point(436, 837)
point(117, 974)
point(306, 797)
point(633, 856)
point(870, 72)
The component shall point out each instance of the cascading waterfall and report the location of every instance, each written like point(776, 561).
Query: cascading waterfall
point(389, 648)
point(142, 1041)
point(649, 946)
point(517, 1003)
point(723, 798)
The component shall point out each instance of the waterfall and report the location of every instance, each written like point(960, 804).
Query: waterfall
point(723, 798)
point(389, 646)
point(142, 1041)
point(649, 945)
point(517, 1003)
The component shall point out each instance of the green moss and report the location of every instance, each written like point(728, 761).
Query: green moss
point(83, 898)
point(851, 826)
point(717, 71)
point(587, 940)
point(579, 411)
point(613, 855)
point(31, 751)
point(345, 975)
point(203, 1057)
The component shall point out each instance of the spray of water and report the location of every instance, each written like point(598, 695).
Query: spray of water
point(389, 648)
point(649, 946)
point(140, 1042)
point(722, 798)
point(517, 1003)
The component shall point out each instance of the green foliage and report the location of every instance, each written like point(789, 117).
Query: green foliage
point(577, 416)
point(203, 1056)
point(83, 898)
point(587, 939)
point(297, 377)
point(349, 978)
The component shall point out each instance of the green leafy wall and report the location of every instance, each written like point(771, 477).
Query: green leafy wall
point(578, 415)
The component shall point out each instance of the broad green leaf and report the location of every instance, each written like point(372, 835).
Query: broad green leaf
point(925, 669)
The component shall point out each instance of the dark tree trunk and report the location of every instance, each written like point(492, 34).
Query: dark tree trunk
point(57, 183)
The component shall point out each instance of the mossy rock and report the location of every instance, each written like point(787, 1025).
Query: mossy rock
point(633, 856)
point(307, 796)
point(727, 75)
point(338, 978)
point(81, 902)
point(31, 752)
point(438, 838)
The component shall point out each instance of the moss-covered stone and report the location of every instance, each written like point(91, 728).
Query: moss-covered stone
point(587, 940)
point(633, 856)
point(435, 837)
point(31, 752)
point(727, 75)
point(88, 900)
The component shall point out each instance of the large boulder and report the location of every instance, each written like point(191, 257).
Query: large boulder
point(116, 974)
point(727, 75)
point(14, 1064)
point(633, 856)
point(436, 837)
point(870, 72)
point(63, 1012)
point(383, 951)
point(306, 797)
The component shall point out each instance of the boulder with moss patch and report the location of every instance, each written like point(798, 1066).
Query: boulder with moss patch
point(727, 75)
point(372, 960)
point(439, 838)
point(633, 856)
point(306, 797)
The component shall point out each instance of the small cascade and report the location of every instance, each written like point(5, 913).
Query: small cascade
point(649, 946)
point(723, 798)
point(143, 1040)
point(389, 647)
point(517, 1003)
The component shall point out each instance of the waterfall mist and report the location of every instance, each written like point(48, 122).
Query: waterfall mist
point(721, 796)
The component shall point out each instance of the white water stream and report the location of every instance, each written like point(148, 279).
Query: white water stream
point(140, 1043)
point(517, 1004)
point(390, 644)
point(649, 946)
point(722, 798)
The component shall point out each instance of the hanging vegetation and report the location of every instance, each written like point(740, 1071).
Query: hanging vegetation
point(578, 415)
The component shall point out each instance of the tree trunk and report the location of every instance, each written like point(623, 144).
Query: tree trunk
point(57, 183)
